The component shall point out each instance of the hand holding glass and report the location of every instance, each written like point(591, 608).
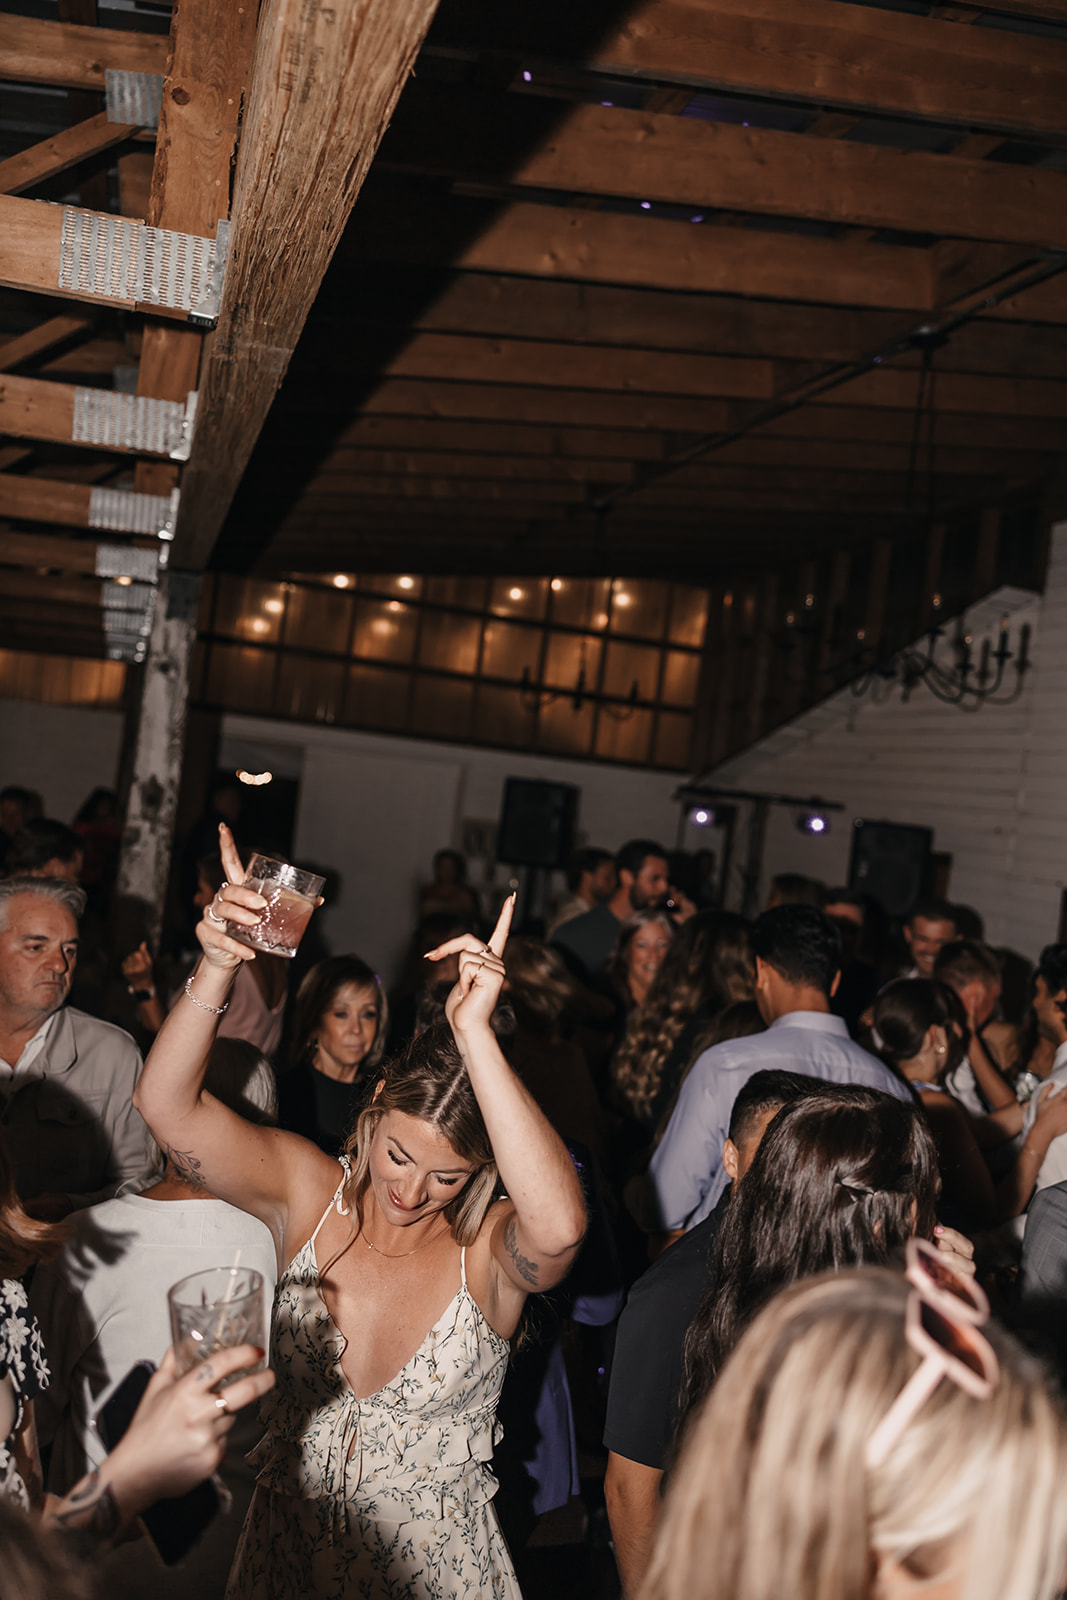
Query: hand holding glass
point(215, 1310)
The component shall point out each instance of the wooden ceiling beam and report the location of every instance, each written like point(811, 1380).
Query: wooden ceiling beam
point(38, 341)
point(60, 589)
point(649, 252)
point(44, 500)
point(600, 150)
point(346, 460)
point(325, 82)
point(60, 152)
point(824, 53)
point(35, 408)
point(35, 550)
point(543, 443)
point(30, 247)
point(73, 57)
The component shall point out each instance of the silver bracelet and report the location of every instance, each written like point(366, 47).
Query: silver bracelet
point(216, 1011)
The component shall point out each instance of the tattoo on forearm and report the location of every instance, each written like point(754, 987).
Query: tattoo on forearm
point(90, 1507)
point(527, 1270)
point(186, 1166)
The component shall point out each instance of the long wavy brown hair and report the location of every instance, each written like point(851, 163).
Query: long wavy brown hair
point(708, 966)
point(23, 1240)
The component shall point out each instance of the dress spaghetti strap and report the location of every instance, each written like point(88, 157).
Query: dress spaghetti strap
point(463, 1265)
point(335, 1201)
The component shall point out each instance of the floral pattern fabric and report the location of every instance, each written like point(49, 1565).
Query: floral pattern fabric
point(383, 1498)
point(22, 1361)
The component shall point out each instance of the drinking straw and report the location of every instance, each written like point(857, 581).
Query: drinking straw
point(227, 1297)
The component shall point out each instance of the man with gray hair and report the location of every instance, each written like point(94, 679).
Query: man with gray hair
point(66, 1079)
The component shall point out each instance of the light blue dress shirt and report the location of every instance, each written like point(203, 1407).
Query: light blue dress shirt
point(686, 1170)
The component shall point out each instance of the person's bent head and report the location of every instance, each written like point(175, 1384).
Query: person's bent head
point(38, 945)
point(341, 1017)
point(422, 1144)
point(931, 925)
point(841, 1178)
point(798, 959)
point(773, 1496)
point(921, 1028)
point(755, 1106)
point(973, 972)
point(46, 849)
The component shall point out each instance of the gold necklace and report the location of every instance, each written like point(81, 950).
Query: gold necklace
point(398, 1255)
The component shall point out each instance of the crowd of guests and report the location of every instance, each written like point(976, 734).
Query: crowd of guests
point(757, 1200)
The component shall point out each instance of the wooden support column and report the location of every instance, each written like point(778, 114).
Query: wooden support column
point(157, 760)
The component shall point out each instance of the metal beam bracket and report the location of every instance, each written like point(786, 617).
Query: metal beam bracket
point(205, 313)
point(133, 98)
point(115, 259)
point(133, 422)
point(125, 512)
point(124, 561)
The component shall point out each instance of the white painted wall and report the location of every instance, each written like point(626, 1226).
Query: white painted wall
point(61, 751)
point(991, 783)
point(377, 808)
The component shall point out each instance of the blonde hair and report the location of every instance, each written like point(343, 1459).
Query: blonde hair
point(772, 1495)
point(429, 1081)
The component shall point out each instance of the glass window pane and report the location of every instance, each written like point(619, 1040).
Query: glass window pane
point(626, 740)
point(501, 718)
point(507, 648)
point(385, 630)
point(449, 641)
point(400, 584)
point(319, 619)
point(689, 615)
point(378, 698)
point(443, 707)
point(249, 610)
point(680, 675)
point(639, 606)
point(567, 654)
point(518, 597)
point(565, 731)
point(310, 689)
point(631, 663)
point(469, 593)
point(674, 740)
point(580, 602)
point(239, 678)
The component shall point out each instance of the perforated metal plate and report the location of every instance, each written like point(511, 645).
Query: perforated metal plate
point(133, 97)
point(130, 422)
point(122, 260)
point(123, 561)
point(129, 513)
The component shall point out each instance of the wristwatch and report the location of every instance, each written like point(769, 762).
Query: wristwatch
point(141, 995)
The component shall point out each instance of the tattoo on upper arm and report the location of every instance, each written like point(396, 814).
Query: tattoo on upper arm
point(90, 1507)
point(185, 1165)
point(527, 1270)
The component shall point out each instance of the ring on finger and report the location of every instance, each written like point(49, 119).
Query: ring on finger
point(213, 916)
point(221, 1405)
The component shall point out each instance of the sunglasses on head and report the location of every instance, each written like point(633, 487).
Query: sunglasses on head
point(942, 1321)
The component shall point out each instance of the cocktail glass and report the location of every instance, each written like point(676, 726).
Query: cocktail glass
point(291, 897)
point(215, 1310)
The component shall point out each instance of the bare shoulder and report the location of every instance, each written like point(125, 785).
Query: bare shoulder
point(310, 1178)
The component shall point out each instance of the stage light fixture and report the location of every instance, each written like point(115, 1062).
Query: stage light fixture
point(702, 817)
point(815, 822)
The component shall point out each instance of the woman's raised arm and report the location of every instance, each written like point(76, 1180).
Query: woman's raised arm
point(537, 1236)
point(209, 1145)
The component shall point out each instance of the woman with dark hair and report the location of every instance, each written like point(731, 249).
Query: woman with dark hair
point(405, 1274)
point(340, 1022)
point(643, 942)
point(840, 1179)
point(921, 1027)
point(707, 967)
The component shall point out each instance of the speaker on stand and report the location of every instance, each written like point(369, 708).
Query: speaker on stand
point(536, 835)
point(890, 861)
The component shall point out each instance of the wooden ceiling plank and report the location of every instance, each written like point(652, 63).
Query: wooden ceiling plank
point(30, 238)
point(593, 149)
point(347, 460)
point(59, 589)
point(41, 339)
point(35, 408)
point(38, 550)
point(535, 362)
point(823, 53)
point(44, 500)
point(73, 57)
point(61, 151)
point(539, 443)
point(646, 252)
point(325, 82)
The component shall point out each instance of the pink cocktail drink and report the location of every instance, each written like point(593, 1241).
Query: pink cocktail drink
point(291, 897)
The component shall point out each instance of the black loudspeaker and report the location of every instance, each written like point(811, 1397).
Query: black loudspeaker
point(536, 823)
point(891, 861)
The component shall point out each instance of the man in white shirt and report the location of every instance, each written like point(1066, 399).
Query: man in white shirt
point(1049, 1000)
point(798, 961)
point(66, 1079)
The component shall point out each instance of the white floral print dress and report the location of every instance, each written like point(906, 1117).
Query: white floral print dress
point(22, 1360)
point(385, 1498)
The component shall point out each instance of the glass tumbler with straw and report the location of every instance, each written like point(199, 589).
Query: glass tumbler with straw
point(217, 1309)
